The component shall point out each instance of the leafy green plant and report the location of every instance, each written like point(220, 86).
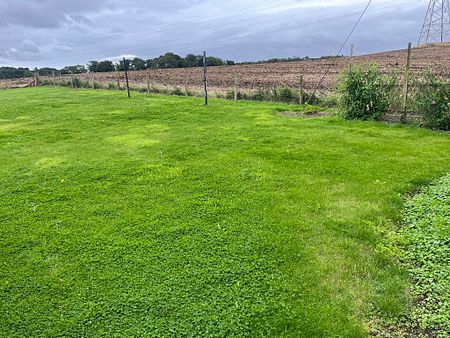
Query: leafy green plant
point(364, 93)
point(77, 83)
point(177, 91)
point(286, 94)
point(427, 230)
point(433, 102)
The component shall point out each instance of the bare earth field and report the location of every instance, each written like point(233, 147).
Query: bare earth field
point(435, 57)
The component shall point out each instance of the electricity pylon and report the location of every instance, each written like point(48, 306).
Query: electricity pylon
point(436, 26)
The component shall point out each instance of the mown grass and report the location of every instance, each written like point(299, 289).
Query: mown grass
point(158, 216)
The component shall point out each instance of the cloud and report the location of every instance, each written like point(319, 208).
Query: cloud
point(44, 13)
point(57, 33)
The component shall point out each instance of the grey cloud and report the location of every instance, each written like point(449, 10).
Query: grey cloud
point(23, 50)
point(44, 13)
point(57, 33)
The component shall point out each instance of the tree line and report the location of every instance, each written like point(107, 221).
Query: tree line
point(168, 60)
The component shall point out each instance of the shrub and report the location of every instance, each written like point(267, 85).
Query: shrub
point(329, 101)
point(261, 95)
point(85, 84)
point(286, 94)
point(77, 83)
point(177, 91)
point(46, 82)
point(240, 95)
point(364, 93)
point(433, 103)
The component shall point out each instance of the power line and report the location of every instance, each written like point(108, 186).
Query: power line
point(340, 50)
point(282, 25)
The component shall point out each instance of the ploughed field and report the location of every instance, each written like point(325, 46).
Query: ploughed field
point(435, 57)
point(157, 216)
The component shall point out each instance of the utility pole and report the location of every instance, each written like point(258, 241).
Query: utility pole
point(205, 77)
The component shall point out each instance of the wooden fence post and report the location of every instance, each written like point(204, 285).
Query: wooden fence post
point(36, 78)
point(71, 80)
point(406, 85)
point(352, 52)
point(236, 87)
point(300, 91)
point(205, 77)
point(53, 78)
point(93, 80)
point(126, 76)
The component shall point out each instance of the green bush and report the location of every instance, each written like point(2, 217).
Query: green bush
point(177, 92)
point(286, 94)
point(46, 82)
point(86, 84)
point(364, 93)
point(77, 83)
point(329, 101)
point(432, 102)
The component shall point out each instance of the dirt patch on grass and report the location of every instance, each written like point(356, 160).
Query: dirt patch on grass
point(396, 117)
point(307, 115)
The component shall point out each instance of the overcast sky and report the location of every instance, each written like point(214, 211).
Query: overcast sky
point(58, 33)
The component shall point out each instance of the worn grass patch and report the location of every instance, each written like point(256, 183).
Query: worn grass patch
point(158, 216)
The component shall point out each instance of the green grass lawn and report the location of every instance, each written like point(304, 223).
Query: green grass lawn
point(158, 216)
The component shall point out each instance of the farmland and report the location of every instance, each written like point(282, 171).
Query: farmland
point(160, 216)
point(434, 57)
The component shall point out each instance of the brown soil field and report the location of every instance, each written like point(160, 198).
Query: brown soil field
point(435, 57)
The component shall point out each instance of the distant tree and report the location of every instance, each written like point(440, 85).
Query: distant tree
point(47, 71)
point(192, 60)
point(170, 60)
point(105, 66)
point(214, 61)
point(12, 73)
point(138, 64)
point(230, 63)
point(151, 63)
point(77, 69)
point(92, 66)
point(100, 66)
point(120, 67)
